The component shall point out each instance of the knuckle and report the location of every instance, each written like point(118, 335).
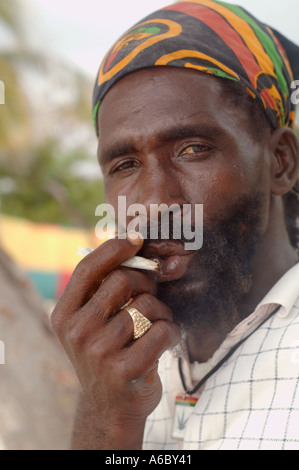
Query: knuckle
point(152, 307)
point(96, 306)
point(100, 352)
point(123, 326)
point(82, 269)
point(119, 278)
point(144, 302)
point(112, 252)
point(167, 333)
point(123, 369)
point(111, 249)
point(76, 336)
point(148, 298)
point(87, 269)
point(162, 331)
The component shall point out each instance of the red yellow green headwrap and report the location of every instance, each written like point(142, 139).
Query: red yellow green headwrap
point(212, 37)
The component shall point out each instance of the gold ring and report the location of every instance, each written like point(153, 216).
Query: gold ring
point(141, 323)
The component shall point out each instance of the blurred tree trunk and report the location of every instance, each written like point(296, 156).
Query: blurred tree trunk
point(38, 388)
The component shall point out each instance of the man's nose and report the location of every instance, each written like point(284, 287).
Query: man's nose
point(161, 185)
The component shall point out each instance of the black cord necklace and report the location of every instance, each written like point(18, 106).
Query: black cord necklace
point(220, 363)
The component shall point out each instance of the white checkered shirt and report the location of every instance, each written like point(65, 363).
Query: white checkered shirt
point(252, 401)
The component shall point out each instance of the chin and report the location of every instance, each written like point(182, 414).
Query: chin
point(221, 272)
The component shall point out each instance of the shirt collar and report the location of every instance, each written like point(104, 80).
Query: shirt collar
point(284, 292)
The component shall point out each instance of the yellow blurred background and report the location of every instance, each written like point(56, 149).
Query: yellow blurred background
point(50, 186)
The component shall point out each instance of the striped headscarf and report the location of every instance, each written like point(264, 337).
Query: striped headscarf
point(212, 37)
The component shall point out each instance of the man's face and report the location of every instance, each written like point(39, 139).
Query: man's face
point(172, 136)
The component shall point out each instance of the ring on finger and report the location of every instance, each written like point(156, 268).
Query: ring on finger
point(140, 322)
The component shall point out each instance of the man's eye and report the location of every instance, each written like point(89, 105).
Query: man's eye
point(127, 165)
point(194, 149)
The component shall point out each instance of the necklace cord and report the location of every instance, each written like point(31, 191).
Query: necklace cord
point(220, 363)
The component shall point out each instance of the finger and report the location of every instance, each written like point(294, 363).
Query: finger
point(117, 332)
point(152, 308)
point(142, 355)
point(116, 290)
point(112, 295)
point(90, 272)
point(120, 329)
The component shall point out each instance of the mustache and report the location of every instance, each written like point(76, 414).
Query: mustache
point(174, 223)
point(157, 233)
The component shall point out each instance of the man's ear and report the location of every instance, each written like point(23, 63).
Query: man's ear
point(285, 160)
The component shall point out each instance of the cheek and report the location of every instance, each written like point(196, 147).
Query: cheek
point(217, 189)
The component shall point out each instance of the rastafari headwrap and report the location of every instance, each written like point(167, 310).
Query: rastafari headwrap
point(212, 37)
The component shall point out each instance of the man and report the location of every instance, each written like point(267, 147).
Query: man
point(193, 106)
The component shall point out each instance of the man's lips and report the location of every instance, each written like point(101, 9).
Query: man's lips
point(172, 257)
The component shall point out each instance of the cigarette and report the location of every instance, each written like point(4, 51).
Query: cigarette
point(136, 262)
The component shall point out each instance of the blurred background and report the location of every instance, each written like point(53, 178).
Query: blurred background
point(50, 185)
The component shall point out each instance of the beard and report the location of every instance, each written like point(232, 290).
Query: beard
point(205, 299)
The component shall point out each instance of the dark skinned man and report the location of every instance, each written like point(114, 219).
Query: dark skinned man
point(192, 106)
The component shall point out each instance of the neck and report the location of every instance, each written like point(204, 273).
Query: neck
point(273, 258)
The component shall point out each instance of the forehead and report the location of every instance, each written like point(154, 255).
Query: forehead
point(145, 103)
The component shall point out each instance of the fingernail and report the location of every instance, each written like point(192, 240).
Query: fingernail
point(134, 237)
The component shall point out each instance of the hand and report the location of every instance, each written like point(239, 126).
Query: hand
point(118, 375)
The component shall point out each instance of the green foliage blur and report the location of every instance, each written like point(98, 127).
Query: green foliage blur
point(38, 180)
point(49, 190)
